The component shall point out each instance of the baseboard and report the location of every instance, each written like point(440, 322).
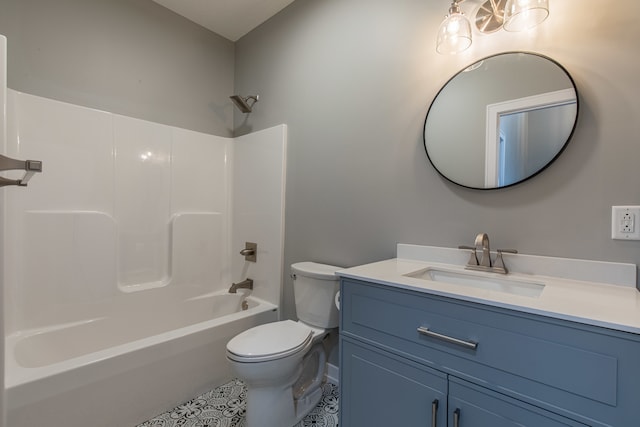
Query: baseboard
point(333, 374)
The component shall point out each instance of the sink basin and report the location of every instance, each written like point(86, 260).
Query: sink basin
point(480, 281)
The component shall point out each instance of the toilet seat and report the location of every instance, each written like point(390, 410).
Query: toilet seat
point(270, 341)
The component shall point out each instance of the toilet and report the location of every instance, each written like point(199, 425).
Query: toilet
point(283, 363)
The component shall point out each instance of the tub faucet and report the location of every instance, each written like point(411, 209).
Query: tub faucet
point(245, 284)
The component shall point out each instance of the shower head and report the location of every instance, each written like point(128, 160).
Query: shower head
point(243, 102)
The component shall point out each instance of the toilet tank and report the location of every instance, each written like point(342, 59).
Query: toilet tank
point(315, 287)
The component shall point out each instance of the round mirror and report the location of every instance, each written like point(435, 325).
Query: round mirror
point(501, 120)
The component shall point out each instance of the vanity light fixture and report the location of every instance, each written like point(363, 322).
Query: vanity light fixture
point(454, 34)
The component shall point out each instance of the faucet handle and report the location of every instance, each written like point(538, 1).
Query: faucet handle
point(473, 260)
point(499, 263)
point(250, 251)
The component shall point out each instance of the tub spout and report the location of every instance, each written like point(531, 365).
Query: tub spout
point(245, 284)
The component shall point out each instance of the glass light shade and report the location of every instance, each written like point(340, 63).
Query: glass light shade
point(454, 34)
point(520, 15)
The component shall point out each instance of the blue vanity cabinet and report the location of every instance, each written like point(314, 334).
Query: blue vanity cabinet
point(496, 367)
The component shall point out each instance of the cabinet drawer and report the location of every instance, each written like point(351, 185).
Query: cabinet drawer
point(589, 372)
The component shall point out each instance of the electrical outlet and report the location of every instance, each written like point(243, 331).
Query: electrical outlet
point(624, 222)
point(627, 225)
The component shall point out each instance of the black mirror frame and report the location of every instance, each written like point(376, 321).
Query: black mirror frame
point(564, 146)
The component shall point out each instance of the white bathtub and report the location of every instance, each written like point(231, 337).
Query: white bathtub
point(123, 368)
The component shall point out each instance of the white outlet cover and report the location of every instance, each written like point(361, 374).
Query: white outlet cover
point(618, 222)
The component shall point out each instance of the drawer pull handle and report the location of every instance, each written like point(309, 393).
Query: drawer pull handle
point(434, 413)
point(466, 344)
point(456, 418)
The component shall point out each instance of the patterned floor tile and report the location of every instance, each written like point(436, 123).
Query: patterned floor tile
point(165, 420)
point(325, 414)
point(226, 406)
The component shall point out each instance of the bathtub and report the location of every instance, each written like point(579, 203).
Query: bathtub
point(124, 367)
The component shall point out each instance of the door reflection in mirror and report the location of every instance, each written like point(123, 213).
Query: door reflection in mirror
point(530, 131)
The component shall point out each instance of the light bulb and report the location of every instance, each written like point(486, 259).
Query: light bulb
point(453, 26)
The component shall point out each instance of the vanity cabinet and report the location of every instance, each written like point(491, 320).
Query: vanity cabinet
point(409, 358)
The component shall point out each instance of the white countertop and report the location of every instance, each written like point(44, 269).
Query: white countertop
point(612, 302)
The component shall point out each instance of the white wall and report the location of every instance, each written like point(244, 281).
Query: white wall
point(259, 175)
point(354, 79)
point(122, 205)
point(125, 205)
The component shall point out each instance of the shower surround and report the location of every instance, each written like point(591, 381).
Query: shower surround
point(118, 259)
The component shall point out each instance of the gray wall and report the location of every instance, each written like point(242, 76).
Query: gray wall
point(132, 57)
point(354, 79)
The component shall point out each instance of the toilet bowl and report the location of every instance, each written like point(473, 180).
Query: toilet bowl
point(283, 363)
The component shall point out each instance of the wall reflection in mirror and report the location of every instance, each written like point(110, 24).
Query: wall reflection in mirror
point(501, 120)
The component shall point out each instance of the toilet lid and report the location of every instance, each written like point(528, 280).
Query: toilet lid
point(269, 341)
point(315, 270)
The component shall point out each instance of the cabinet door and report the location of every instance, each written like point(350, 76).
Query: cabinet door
point(473, 406)
point(379, 389)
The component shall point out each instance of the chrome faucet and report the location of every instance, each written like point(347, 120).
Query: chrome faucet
point(245, 284)
point(485, 263)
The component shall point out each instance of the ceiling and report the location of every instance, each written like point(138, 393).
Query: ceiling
point(231, 19)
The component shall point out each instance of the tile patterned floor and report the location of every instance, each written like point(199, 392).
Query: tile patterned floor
point(225, 407)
